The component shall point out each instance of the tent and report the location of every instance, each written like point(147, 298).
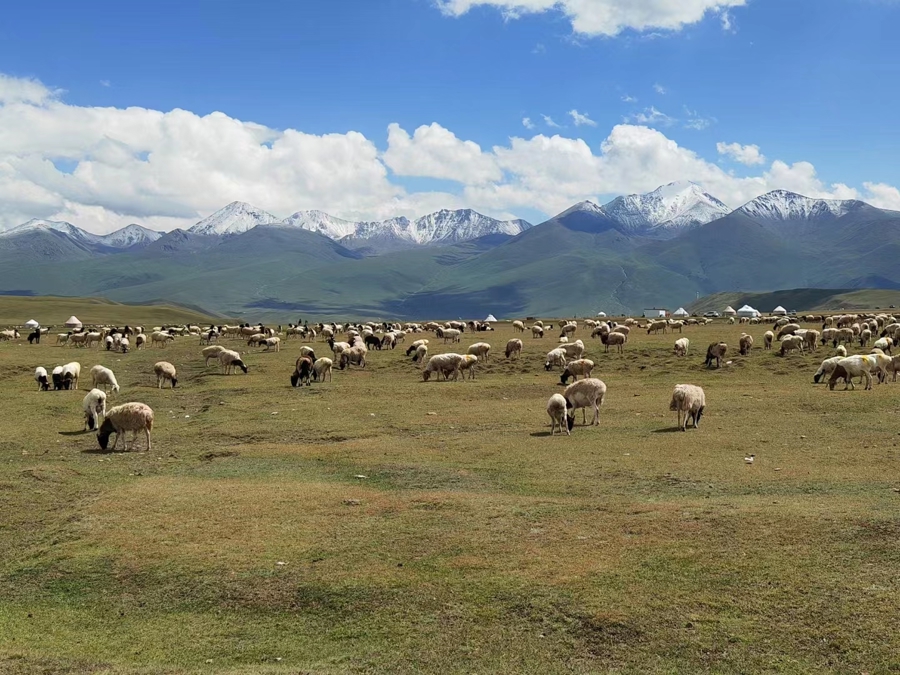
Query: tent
point(748, 311)
point(601, 314)
point(729, 311)
point(31, 323)
point(780, 311)
point(491, 317)
point(73, 322)
point(681, 311)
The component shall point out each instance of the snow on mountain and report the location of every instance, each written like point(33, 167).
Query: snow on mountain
point(235, 218)
point(447, 226)
point(587, 207)
point(321, 222)
point(75, 233)
point(783, 205)
point(130, 235)
point(674, 206)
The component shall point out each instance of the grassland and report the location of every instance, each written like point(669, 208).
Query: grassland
point(803, 299)
point(55, 311)
point(379, 524)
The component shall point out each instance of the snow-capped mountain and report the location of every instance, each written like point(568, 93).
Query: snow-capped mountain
point(128, 236)
point(672, 207)
point(781, 205)
point(586, 207)
point(323, 223)
point(34, 224)
point(235, 218)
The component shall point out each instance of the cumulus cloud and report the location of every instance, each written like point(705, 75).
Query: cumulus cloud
point(581, 119)
point(745, 154)
point(102, 168)
point(527, 123)
point(605, 17)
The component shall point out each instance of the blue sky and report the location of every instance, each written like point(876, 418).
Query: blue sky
point(807, 81)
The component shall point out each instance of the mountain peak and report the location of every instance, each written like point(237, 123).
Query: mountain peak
point(235, 218)
point(785, 205)
point(671, 207)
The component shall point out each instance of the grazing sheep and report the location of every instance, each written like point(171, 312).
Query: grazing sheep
point(715, 351)
point(556, 408)
point(615, 339)
point(337, 347)
point(556, 358)
point(104, 376)
point(40, 376)
point(745, 344)
point(582, 367)
point(844, 335)
point(853, 366)
point(480, 349)
point(421, 353)
point(77, 339)
point(443, 364)
point(884, 344)
point(323, 367)
point(791, 343)
point(585, 393)
point(841, 351)
point(165, 371)
point(514, 349)
point(133, 417)
point(303, 371)
point(307, 351)
point(354, 356)
point(537, 331)
point(211, 352)
point(690, 401)
point(70, 374)
point(573, 350)
point(161, 339)
point(449, 334)
point(229, 360)
point(415, 345)
point(56, 378)
point(563, 340)
point(787, 329)
point(273, 342)
point(681, 346)
point(518, 326)
point(567, 330)
point(94, 406)
point(139, 341)
point(62, 338)
point(656, 326)
point(468, 365)
point(864, 337)
point(826, 368)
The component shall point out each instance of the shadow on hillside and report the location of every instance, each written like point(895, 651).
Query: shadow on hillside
point(667, 430)
point(80, 432)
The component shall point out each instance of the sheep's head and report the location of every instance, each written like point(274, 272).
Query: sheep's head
point(547, 366)
point(564, 378)
point(426, 375)
point(103, 434)
point(240, 364)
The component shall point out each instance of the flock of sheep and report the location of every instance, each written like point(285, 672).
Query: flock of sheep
point(585, 391)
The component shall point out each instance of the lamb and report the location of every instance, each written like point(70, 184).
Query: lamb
point(230, 359)
point(273, 342)
point(853, 366)
point(40, 376)
point(323, 367)
point(94, 406)
point(445, 364)
point(211, 352)
point(104, 376)
point(353, 356)
point(826, 368)
point(681, 346)
point(556, 408)
point(791, 343)
point(537, 331)
point(582, 367)
point(421, 353)
point(161, 338)
point(841, 351)
point(688, 400)
point(582, 394)
point(165, 371)
point(70, 374)
point(746, 344)
point(468, 364)
point(518, 326)
point(303, 371)
point(615, 339)
point(555, 357)
point(133, 417)
point(514, 349)
point(480, 349)
point(337, 347)
point(715, 351)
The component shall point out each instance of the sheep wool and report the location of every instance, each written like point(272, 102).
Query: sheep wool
point(165, 372)
point(583, 394)
point(681, 346)
point(133, 417)
point(514, 348)
point(688, 400)
point(101, 376)
point(443, 364)
point(556, 408)
point(40, 376)
point(582, 367)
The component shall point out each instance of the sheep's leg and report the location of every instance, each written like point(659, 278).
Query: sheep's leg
point(596, 420)
point(147, 434)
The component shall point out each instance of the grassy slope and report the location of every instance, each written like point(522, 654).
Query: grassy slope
point(53, 311)
point(802, 299)
point(474, 542)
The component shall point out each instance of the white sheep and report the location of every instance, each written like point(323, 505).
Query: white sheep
point(884, 344)
point(745, 344)
point(556, 358)
point(854, 366)
point(105, 377)
point(582, 367)
point(443, 364)
point(70, 374)
point(449, 334)
point(514, 349)
point(715, 351)
point(161, 339)
point(139, 341)
point(273, 342)
point(56, 378)
point(518, 326)
point(124, 345)
point(574, 350)
point(353, 356)
point(768, 339)
point(421, 353)
point(688, 400)
point(682, 345)
point(827, 367)
point(841, 351)
point(323, 367)
point(537, 331)
point(133, 417)
point(229, 360)
point(616, 340)
point(791, 343)
point(211, 352)
point(40, 376)
point(480, 349)
point(468, 365)
point(585, 393)
point(556, 408)
point(165, 371)
point(94, 406)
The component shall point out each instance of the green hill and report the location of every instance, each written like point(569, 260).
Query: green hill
point(53, 311)
point(802, 300)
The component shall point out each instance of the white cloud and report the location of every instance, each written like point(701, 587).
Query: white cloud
point(527, 123)
point(652, 116)
point(629, 99)
point(745, 154)
point(727, 24)
point(435, 152)
point(693, 120)
point(659, 89)
point(550, 123)
point(581, 119)
point(605, 17)
point(102, 168)
point(105, 83)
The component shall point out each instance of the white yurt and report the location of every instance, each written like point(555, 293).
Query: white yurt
point(490, 317)
point(748, 311)
point(681, 311)
point(73, 322)
point(31, 323)
point(730, 311)
point(602, 314)
point(779, 311)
